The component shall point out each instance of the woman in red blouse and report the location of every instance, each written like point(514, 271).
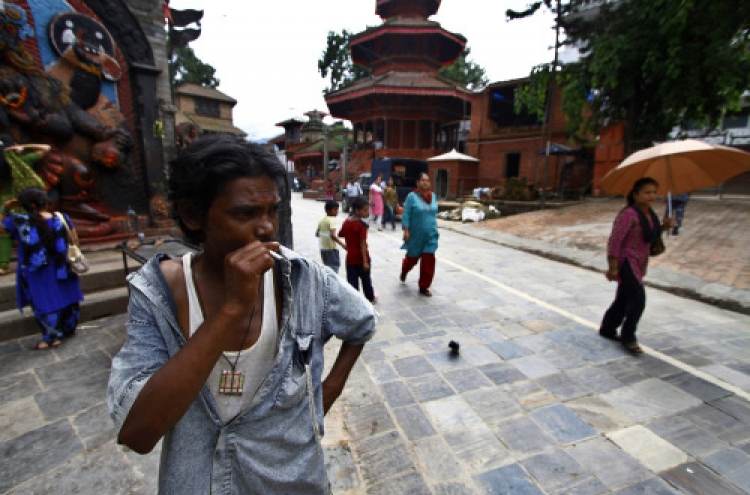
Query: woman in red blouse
point(634, 230)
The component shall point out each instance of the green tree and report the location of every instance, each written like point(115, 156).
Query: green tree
point(653, 64)
point(336, 61)
point(186, 67)
point(465, 72)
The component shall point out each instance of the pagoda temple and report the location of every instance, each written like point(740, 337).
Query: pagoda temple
point(404, 108)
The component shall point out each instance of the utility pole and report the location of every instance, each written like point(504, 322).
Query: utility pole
point(551, 87)
point(344, 146)
point(325, 155)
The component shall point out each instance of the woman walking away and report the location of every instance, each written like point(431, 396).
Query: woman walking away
point(634, 230)
point(43, 279)
point(419, 222)
point(376, 200)
point(390, 197)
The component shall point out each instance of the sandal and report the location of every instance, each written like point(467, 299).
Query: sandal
point(44, 346)
point(402, 277)
point(425, 292)
point(610, 336)
point(632, 347)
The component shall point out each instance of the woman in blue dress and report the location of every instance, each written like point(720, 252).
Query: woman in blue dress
point(419, 221)
point(43, 279)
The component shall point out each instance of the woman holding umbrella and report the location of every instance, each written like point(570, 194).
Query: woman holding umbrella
point(634, 231)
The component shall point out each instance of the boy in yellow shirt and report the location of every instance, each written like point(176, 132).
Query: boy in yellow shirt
point(327, 237)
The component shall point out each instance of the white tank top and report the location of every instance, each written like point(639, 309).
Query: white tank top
point(255, 362)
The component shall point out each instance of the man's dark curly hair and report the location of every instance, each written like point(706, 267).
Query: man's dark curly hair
point(198, 175)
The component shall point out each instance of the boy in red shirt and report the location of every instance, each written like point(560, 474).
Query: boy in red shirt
point(354, 232)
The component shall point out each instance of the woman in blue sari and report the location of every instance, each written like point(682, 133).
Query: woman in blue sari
point(43, 279)
point(419, 221)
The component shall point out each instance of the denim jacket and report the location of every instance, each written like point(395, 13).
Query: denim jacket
point(274, 448)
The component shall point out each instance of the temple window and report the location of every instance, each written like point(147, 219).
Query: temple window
point(207, 107)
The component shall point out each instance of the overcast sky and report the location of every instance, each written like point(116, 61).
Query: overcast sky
point(266, 52)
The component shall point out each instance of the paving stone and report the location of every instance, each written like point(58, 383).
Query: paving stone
point(651, 450)
point(437, 461)
point(539, 325)
point(477, 448)
point(650, 399)
point(341, 469)
point(599, 413)
point(99, 471)
point(382, 372)
point(388, 440)
point(36, 452)
point(735, 407)
point(509, 349)
point(563, 387)
point(595, 378)
point(429, 387)
point(412, 483)
point(488, 335)
point(479, 355)
point(18, 417)
point(95, 427)
point(507, 480)
point(562, 424)
point(19, 359)
point(493, 405)
point(401, 350)
point(625, 370)
point(615, 468)
point(382, 464)
point(732, 464)
point(466, 379)
point(364, 422)
point(18, 386)
point(655, 367)
point(72, 369)
point(413, 327)
point(501, 373)
point(77, 396)
point(413, 366)
point(524, 436)
point(451, 413)
point(695, 479)
point(372, 355)
point(397, 394)
point(586, 343)
point(729, 375)
point(455, 488)
point(528, 394)
point(718, 423)
point(704, 390)
point(652, 486)
point(559, 474)
point(514, 330)
point(534, 366)
point(414, 422)
point(444, 360)
point(563, 359)
point(685, 355)
point(536, 343)
point(687, 436)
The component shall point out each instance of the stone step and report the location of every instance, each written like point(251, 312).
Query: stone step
point(98, 304)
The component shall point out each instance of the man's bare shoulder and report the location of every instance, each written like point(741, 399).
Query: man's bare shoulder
point(173, 274)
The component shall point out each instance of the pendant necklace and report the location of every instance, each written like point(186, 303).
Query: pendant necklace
point(232, 382)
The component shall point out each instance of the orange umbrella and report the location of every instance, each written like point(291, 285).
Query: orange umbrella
point(678, 167)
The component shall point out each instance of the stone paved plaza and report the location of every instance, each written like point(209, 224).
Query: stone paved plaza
point(535, 403)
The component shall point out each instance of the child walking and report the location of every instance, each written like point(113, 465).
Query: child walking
point(354, 232)
point(327, 238)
